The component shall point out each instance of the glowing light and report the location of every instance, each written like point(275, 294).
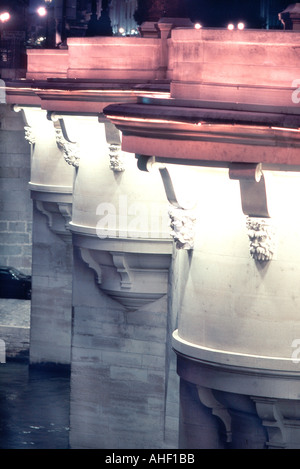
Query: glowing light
point(121, 30)
point(285, 129)
point(150, 120)
point(136, 93)
point(40, 39)
point(230, 27)
point(241, 26)
point(42, 11)
point(5, 16)
point(197, 26)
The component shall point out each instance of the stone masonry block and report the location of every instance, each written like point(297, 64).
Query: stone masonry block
point(27, 250)
point(16, 201)
point(153, 362)
point(14, 142)
point(9, 172)
point(14, 238)
point(120, 359)
point(10, 214)
point(9, 184)
point(17, 226)
point(126, 373)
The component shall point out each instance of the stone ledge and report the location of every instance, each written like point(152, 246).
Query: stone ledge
point(243, 362)
point(16, 340)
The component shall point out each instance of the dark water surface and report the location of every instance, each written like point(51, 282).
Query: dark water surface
point(34, 407)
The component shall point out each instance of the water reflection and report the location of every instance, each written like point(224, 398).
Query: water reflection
point(34, 407)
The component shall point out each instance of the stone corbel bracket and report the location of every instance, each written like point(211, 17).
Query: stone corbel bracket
point(272, 419)
point(58, 215)
point(261, 232)
point(133, 279)
point(116, 160)
point(69, 149)
point(219, 410)
point(182, 217)
point(119, 261)
point(87, 257)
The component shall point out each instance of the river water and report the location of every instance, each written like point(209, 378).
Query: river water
point(34, 407)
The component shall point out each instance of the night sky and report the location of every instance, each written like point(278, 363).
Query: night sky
point(218, 13)
point(210, 13)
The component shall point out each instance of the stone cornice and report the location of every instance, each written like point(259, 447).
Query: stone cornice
point(174, 132)
point(236, 362)
point(250, 375)
point(213, 112)
point(81, 96)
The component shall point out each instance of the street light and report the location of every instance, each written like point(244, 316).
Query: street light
point(5, 16)
point(42, 11)
point(240, 26)
point(45, 12)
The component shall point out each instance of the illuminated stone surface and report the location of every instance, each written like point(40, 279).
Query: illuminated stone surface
point(234, 320)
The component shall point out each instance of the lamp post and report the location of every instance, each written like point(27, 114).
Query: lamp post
point(4, 17)
point(50, 36)
point(101, 26)
point(46, 12)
